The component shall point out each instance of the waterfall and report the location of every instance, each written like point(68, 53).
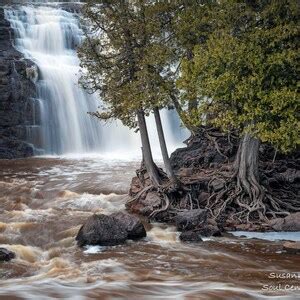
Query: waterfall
point(48, 35)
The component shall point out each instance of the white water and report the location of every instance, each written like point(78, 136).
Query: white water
point(49, 35)
point(271, 236)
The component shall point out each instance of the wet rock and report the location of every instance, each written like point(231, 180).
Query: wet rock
point(203, 196)
point(145, 205)
point(132, 224)
point(201, 151)
point(217, 185)
point(32, 73)
point(71, 7)
point(135, 186)
point(212, 222)
point(101, 230)
point(207, 230)
point(292, 247)
point(186, 172)
point(6, 255)
point(190, 236)
point(190, 219)
point(243, 227)
point(289, 223)
point(152, 200)
point(17, 92)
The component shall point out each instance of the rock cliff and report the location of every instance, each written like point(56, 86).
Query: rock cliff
point(17, 93)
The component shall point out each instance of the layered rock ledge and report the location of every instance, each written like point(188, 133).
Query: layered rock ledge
point(17, 93)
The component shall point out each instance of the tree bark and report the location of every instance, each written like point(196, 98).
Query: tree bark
point(180, 113)
point(146, 149)
point(246, 167)
point(163, 146)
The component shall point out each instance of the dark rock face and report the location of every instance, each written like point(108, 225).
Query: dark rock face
point(6, 255)
point(101, 230)
point(190, 219)
point(201, 152)
point(190, 236)
point(17, 91)
point(195, 235)
point(289, 223)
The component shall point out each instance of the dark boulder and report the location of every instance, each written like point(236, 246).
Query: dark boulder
point(289, 223)
point(132, 224)
point(6, 255)
point(190, 236)
point(207, 230)
point(101, 230)
point(190, 219)
point(292, 247)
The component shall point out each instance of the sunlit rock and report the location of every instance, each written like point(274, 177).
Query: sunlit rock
point(289, 223)
point(32, 73)
point(292, 247)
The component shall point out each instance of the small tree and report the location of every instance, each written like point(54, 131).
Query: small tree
point(122, 58)
point(246, 76)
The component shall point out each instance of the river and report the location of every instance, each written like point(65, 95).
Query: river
point(43, 202)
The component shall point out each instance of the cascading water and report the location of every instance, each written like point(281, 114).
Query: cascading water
point(48, 35)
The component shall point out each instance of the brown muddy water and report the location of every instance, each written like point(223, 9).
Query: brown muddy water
point(43, 202)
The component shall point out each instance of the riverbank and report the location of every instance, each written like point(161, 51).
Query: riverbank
point(204, 170)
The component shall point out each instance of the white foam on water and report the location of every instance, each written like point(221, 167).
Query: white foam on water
point(93, 249)
point(270, 236)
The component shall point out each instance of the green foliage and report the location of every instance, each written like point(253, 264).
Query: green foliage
point(123, 57)
point(245, 72)
point(235, 63)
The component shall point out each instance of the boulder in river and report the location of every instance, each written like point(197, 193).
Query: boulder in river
point(292, 247)
point(6, 255)
point(190, 236)
point(110, 230)
point(289, 223)
point(101, 230)
point(190, 219)
point(208, 230)
point(132, 224)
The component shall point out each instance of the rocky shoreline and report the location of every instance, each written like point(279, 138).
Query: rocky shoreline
point(190, 215)
point(196, 166)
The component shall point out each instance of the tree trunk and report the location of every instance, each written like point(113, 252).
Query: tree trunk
point(246, 167)
point(146, 149)
point(180, 113)
point(163, 146)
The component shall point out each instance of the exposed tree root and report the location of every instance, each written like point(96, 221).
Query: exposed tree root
point(233, 191)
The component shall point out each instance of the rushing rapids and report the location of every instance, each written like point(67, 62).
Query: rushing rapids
point(45, 200)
